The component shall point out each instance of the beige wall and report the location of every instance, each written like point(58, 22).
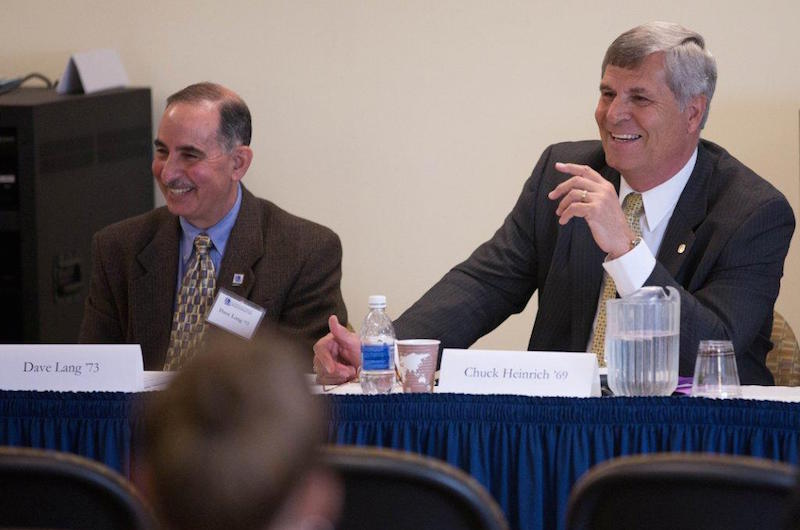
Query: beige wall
point(409, 126)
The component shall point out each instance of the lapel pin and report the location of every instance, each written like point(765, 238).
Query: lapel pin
point(681, 248)
point(238, 279)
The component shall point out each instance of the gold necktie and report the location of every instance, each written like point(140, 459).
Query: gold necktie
point(632, 208)
point(194, 300)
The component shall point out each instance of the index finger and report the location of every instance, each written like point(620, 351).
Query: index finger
point(580, 170)
point(335, 379)
point(323, 352)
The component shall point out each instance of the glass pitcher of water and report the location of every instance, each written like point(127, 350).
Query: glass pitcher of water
point(643, 342)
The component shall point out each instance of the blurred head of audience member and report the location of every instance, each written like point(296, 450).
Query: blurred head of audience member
point(233, 442)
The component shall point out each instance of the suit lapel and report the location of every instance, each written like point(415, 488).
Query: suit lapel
point(689, 212)
point(152, 294)
point(245, 247)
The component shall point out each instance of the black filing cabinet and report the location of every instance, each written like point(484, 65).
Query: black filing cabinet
point(69, 165)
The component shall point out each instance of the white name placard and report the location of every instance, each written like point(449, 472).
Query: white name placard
point(71, 367)
point(525, 373)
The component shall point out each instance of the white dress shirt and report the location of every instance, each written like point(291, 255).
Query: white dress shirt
point(632, 269)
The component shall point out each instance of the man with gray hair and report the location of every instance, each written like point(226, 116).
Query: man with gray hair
point(649, 204)
point(155, 276)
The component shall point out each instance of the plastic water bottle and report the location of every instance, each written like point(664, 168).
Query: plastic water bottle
point(377, 349)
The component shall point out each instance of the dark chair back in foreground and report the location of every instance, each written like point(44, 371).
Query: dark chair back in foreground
point(48, 489)
point(682, 490)
point(387, 489)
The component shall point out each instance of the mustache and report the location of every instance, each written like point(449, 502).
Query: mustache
point(178, 185)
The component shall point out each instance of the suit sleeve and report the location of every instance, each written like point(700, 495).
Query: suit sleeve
point(100, 323)
point(317, 292)
point(735, 299)
point(496, 281)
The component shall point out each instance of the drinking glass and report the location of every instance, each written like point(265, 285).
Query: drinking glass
point(715, 372)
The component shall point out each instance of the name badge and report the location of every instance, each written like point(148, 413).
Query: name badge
point(235, 314)
point(524, 373)
point(71, 367)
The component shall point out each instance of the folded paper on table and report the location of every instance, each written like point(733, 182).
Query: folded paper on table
point(154, 380)
point(526, 373)
point(71, 367)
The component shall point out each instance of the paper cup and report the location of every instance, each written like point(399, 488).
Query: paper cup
point(417, 359)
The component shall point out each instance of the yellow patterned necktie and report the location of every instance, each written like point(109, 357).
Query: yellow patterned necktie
point(194, 300)
point(632, 208)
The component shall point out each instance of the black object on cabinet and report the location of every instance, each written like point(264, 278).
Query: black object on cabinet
point(69, 165)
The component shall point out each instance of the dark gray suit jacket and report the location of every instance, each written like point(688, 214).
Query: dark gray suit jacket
point(291, 267)
point(735, 226)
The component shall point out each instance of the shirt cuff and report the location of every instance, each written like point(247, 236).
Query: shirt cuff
point(632, 269)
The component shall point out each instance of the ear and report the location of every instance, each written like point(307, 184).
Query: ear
point(242, 157)
point(695, 110)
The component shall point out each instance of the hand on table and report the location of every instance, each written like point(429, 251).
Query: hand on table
point(337, 355)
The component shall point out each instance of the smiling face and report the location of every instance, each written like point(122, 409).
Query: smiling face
point(196, 173)
point(645, 134)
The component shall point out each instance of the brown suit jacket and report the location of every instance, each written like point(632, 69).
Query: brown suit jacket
point(291, 267)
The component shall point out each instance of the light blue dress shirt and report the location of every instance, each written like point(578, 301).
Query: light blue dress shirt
point(219, 234)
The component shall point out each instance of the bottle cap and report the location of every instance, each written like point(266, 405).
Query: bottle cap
point(377, 301)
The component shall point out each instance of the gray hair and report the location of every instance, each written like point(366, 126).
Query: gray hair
point(690, 69)
point(235, 124)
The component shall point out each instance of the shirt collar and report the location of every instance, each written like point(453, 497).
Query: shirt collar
point(660, 201)
point(219, 233)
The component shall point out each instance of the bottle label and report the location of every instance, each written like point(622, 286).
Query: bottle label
point(376, 356)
